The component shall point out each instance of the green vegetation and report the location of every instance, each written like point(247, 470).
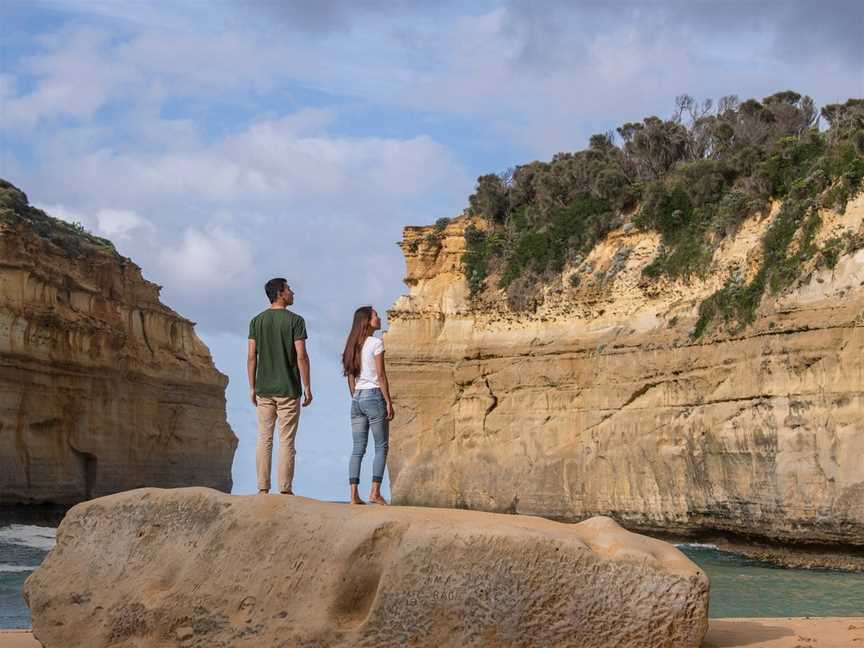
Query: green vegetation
point(432, 239)
point(694, 178)
point(737, 302)
point(578, 226)
point(830, 253)
point(70, 237)
point(476, 259)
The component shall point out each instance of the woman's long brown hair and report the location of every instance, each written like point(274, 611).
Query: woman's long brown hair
point(360, 330)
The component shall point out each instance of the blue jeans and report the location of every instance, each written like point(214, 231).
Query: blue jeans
point(368, 410)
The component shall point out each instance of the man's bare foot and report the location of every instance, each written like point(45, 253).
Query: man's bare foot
point(377, 499)
point(357, 500)
point(261, 491)
point(286, 492)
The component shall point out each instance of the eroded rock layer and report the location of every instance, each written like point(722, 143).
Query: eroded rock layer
point(102, 387)
point(195, 568)
point(602, 402)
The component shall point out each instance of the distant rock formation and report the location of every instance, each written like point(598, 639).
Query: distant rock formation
point(195, 568)
point(102, 387)
point(601, 402)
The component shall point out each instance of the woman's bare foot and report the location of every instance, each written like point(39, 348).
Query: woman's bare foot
point(375, 494)
point(286, 492)
point(355, 495)
point(263, 492)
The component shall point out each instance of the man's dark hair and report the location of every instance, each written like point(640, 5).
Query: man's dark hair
point(274, 287)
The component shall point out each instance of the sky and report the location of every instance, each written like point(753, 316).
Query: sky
point(219, 143)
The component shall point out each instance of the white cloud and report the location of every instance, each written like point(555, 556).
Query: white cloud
point(544, 78)
point(207, 262)
point(195, 62)
point(75, 79)
point(116, 224)
point(282, 196)
point(79, 70)
point(288, 163)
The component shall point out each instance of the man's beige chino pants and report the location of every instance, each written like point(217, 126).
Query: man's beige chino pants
point(286, 410)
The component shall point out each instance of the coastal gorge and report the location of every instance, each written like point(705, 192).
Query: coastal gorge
point(667, 328)
point(102, 387)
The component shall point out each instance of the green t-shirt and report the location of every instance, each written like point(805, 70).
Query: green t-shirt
point(274, 332)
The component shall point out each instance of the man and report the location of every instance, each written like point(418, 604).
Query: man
point(277, 363)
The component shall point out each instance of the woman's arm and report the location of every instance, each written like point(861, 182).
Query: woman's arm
point(385, 385)
point(351, 383)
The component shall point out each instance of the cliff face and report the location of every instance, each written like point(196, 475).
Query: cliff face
point(601, 401)
point(102, 387)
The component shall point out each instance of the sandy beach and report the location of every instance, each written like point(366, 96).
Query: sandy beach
point(786, 633)
point(724, 633)
point(17, 639)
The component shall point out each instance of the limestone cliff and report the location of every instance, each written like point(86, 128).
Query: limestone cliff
point(601, 401)
point(102, 387)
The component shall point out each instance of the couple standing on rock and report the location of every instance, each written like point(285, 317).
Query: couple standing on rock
point(278, 368)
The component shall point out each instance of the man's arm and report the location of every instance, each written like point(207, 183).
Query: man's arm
point(303, 363)
point(252, 368)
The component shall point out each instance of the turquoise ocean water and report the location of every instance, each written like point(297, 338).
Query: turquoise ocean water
point(739, 587)
point(22, 549)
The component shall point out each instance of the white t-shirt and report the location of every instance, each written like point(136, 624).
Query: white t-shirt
point(368, 378)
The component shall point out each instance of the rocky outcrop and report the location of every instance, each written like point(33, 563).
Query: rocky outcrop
point(602, 402)
point(102, 387)
point(195, 568)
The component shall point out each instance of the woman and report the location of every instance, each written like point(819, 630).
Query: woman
point(371, 406)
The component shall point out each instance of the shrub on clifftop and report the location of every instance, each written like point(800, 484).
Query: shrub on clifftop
point(15, 208)
point(694, 177)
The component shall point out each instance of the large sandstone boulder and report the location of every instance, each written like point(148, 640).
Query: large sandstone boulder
point(600, 402)
point(102, 387)
point(195, 568)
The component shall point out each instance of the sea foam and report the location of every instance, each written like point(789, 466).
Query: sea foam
point(37, 537)
point(14, 569)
